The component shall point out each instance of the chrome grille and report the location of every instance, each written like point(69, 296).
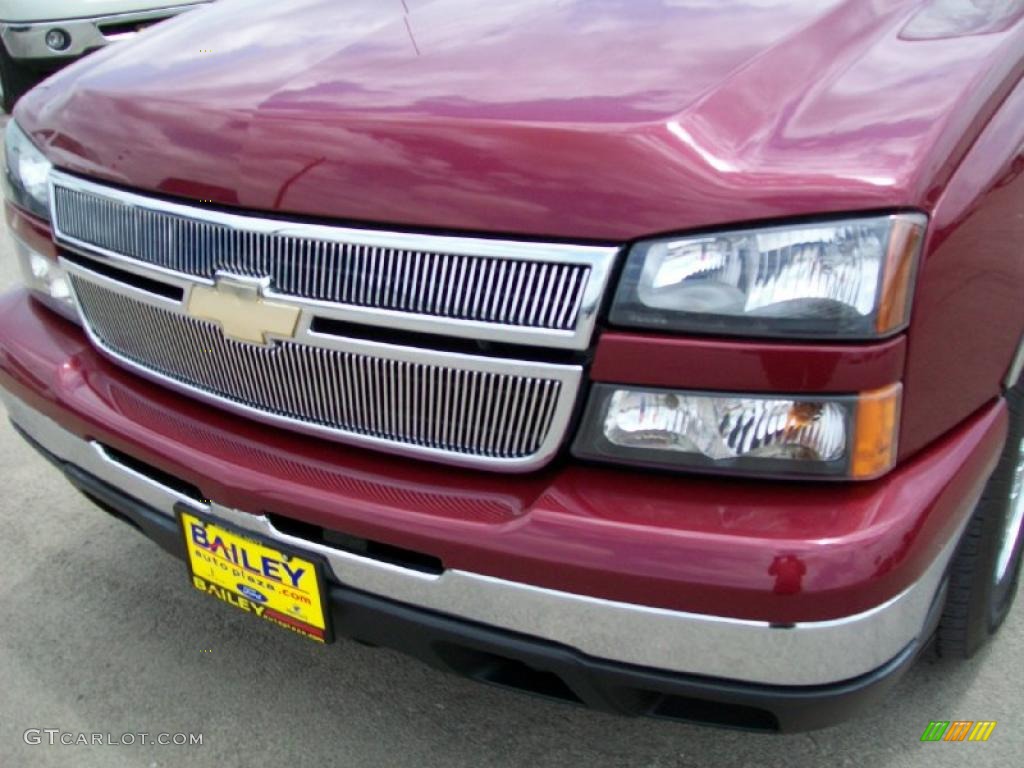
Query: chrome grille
point(327, 265)
point(459, 411)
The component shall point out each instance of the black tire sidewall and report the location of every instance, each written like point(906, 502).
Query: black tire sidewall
point(976, 605)
point(17, 80)
point(1001, 594)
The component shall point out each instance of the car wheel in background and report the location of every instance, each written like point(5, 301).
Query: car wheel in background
point(986, 568)
point(15, 80)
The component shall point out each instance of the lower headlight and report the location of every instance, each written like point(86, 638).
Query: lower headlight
point(47, 280)
point(850, 436)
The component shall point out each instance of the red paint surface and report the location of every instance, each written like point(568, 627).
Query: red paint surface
point(605, 122)
point(969, 306)
point(583, 120)
point(30, 230)
point(586, 121)
point(758, 550)
point(719, 365)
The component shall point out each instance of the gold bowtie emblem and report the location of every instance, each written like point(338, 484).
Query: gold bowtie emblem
point(237, 305)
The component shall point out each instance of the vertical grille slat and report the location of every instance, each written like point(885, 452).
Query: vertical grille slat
point(476, 413)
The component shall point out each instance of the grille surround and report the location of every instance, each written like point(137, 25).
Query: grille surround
point(541, 294)
point(481, 444)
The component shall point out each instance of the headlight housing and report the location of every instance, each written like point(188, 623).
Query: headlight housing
point(27, 184)
point(27, 173)
point(823, 436)
point(849, 279)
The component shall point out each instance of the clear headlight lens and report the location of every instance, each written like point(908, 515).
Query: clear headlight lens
point(27, 173)
point(27, 184)
point(849, 279)
point(764, 434)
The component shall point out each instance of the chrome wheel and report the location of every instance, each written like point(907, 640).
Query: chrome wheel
point(1014, 520)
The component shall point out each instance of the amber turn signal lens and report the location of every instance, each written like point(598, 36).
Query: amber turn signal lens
point(876, 432)
point(905, 242)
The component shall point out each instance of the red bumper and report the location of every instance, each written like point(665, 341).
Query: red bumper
point(780, 552)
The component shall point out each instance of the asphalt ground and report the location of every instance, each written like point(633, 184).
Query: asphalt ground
point(101, 633)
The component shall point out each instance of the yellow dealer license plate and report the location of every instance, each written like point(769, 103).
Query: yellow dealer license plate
point(258, 578)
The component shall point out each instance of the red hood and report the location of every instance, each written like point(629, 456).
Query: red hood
point(596, 119)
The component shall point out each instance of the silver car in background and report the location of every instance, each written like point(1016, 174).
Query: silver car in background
point(38, 37)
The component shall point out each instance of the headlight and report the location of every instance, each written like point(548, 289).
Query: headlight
point(850, 279)
point(844, 437)
point(27, 179)
point(27, 175)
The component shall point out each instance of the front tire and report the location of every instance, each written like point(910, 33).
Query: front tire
point(986, 568)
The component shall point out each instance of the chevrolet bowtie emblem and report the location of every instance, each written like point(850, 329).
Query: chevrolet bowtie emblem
point(237, 305)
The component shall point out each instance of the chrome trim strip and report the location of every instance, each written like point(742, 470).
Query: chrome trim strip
point(599, 260)
point(27, 40)
point(808, 653)
point(141, 485)
point(568, 376)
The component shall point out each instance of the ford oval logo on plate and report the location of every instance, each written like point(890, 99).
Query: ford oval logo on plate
point(252, 594)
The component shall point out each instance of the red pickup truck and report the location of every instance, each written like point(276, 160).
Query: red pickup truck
point(659, 356)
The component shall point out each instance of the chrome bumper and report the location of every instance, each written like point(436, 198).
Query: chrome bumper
point(813, 653)
point(28, 40)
